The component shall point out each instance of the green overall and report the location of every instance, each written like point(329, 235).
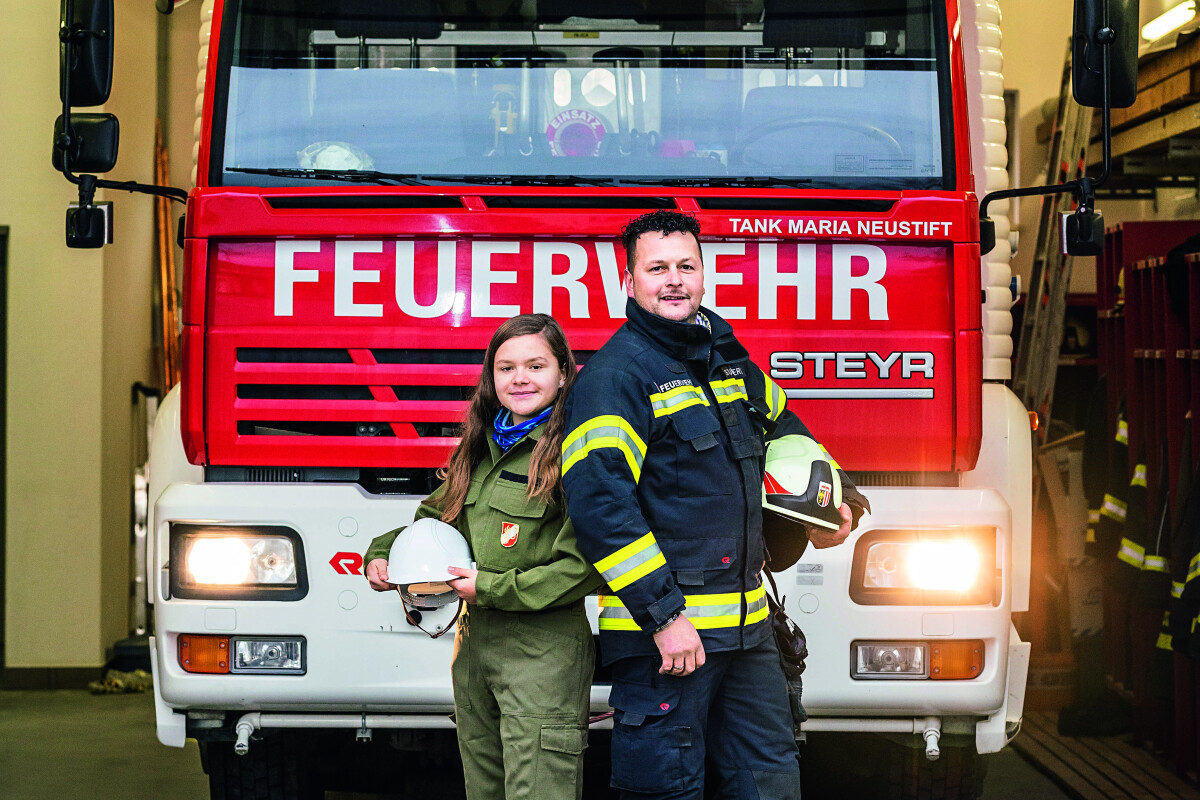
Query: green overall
point(523, 655)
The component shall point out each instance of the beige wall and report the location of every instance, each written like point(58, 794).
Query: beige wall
point(79, 333)
point(54, 554)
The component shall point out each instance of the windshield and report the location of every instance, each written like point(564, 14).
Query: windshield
point(544, 92)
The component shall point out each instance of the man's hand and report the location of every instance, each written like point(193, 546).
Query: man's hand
point(821, 538)
point(377, 575)
point(464, 585)
point(681, 648)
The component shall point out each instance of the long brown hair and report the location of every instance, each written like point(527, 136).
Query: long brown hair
point(477, 426)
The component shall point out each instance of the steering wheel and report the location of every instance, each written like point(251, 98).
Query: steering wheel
point(788, 123)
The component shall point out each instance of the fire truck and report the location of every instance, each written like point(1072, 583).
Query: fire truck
point(378, 185)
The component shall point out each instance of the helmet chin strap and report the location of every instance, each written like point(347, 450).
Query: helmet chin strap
point(449, 625)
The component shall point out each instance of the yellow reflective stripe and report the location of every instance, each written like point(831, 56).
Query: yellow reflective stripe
point(673, 400)
point(1113, 508)
point(1164, 641)
point(633, 561)
point(1089, 536)
point(1176, 589)
point(602, 432)
point(756, 605)
point(1093, 516)
point(776, 397)
point(1122, 432)
point(1193, 568)
point(730, 389)
point(614, 616)
point(1131, 553)
point(1156, 564)
point(704, 611)
point(1139, 476)
point(829, 457)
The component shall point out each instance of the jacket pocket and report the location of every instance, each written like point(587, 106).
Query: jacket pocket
point(701, 465)
point(514, 501)
point(712, 554)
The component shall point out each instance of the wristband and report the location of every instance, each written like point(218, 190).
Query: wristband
point(670, 620)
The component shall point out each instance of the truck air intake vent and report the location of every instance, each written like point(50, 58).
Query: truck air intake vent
point(377, 201)
point(293, 355)
point(904, 478)
point(602, 202)
point(810, 204)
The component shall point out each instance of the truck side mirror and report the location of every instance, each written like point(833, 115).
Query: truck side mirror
point(92, 146)
point(1088, 38)
point(86, 51)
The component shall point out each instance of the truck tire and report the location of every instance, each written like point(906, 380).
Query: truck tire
point(271, 770)
point(957, 775)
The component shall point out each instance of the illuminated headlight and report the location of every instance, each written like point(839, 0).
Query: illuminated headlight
point(209, 561)
point(925, 567)
point(951, 565)
point(270, 656)
point(890, 660)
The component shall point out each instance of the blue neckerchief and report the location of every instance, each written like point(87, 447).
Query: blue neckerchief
point(506, 434)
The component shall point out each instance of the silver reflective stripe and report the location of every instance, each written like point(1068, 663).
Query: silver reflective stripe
point(1139, 476)
point(601, 432)
point(675, 399)
point(1113, 508)
point(1155, 563)
point(728, 390)
point(631, 562)
point(776, 399)
point(1131, 553)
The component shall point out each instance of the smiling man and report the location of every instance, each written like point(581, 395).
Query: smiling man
point(663, 470)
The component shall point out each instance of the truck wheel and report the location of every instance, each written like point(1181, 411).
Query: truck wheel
point(271, 770)
point(957, 775)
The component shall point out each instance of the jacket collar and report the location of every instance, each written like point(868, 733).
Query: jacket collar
point(685, 341)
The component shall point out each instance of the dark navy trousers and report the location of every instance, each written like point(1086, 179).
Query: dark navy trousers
point(732, 712)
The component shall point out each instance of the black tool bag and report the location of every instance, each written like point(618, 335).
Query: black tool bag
point(793, 649)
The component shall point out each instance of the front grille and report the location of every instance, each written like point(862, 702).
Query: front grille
point(357, 408)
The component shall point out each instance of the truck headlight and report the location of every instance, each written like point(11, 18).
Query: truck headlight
point(954, 566)
point(941, 660)
point(215, 561)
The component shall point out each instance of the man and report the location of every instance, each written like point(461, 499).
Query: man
point(663, 469)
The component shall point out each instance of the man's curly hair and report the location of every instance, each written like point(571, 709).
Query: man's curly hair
point(661, 221)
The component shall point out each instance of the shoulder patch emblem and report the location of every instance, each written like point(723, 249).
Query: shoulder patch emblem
point(508, 533)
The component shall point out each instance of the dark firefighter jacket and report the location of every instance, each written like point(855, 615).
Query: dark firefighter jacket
point(662, 467)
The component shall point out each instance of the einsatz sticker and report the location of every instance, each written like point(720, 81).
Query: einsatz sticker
point(575, 132)
point(508, 533)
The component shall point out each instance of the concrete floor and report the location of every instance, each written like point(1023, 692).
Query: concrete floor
point(72, 744)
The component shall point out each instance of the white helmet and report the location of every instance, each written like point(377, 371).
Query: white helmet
point(800, 483)
point(418, 562)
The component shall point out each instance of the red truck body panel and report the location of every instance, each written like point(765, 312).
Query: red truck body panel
point(894, 289)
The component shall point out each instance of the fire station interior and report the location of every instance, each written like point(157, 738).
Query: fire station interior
point(1106, 357)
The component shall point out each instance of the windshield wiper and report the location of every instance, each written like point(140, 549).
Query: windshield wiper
point(344, 176)
point(521, 180)
point(748, 182)
point(408, 179)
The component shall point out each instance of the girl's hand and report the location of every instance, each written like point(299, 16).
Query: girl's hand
point(377, 575)
point(464, 584)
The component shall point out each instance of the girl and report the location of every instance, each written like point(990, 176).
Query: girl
point(523, 652)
